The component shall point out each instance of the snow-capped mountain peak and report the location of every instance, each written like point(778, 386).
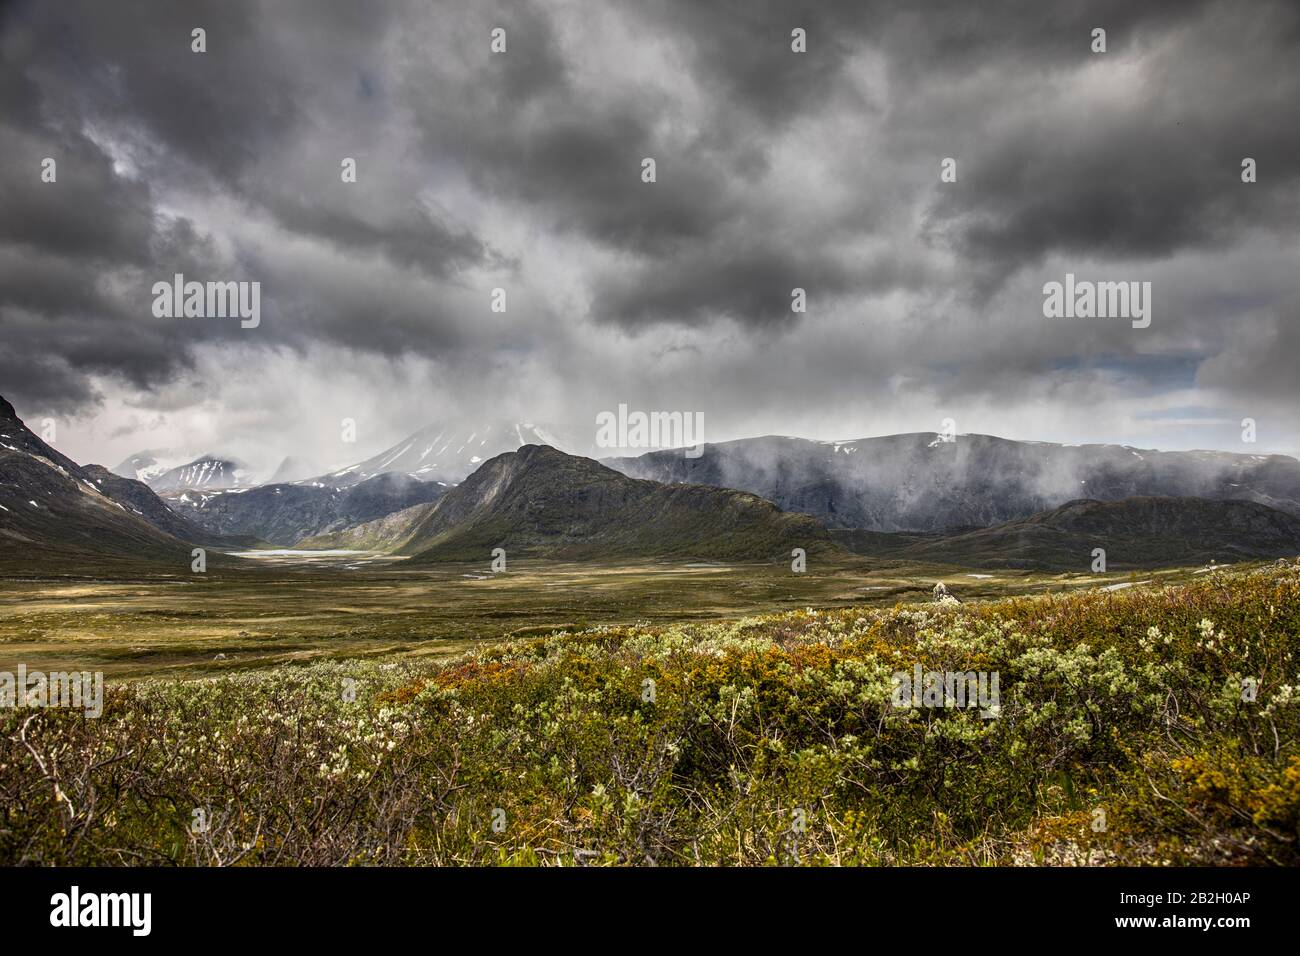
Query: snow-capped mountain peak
point(207, 472)
point(450, 451)
point(152, 463)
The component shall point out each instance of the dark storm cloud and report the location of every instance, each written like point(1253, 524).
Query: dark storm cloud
point(1154, 174)
point(775, 170)
point(68, 249)
point(63, 320)
point(749, 281)
point(271, 74)
point(132, 62)
point(1258, 358)
point(1149, 176)
point(412, 238)
point(526, 129)
point(738, 48)
point(1144, 174)
point(90, 213)
point(78, 257)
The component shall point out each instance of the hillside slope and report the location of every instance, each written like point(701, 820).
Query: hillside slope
point(1139, 532)
point(47, 513)
point(138, 497)
point(389, 533)
point(539, 502)
point(51, 508)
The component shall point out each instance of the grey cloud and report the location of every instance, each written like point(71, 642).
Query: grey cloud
point(775, 170)
point(1154, 173)
point(746, 281)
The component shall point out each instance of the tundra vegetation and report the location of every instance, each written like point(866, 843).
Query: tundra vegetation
point(1149, 726)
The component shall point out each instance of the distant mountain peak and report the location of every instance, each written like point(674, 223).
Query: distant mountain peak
point(449, 451)
point(150, 463)
point(208, 472)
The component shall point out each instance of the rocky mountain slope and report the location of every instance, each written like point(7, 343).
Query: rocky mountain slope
point(389, 533)
point(52, 508)
point(139, 498)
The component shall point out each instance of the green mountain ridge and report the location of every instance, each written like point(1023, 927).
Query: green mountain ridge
point(540, 502)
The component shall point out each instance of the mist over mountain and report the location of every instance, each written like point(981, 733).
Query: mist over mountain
point(293, 468)
point(917, 482)
point(150, 463)
point(978, 501)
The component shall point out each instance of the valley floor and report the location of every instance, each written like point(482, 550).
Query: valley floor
point(296, 606)
point(1149, 725)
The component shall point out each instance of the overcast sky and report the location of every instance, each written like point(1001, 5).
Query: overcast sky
point(523, 170)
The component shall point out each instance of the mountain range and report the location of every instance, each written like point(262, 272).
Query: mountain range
point(539, 502)
point(920, 483)
point(414, 471)
point(978, 501)
point(282, 514)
